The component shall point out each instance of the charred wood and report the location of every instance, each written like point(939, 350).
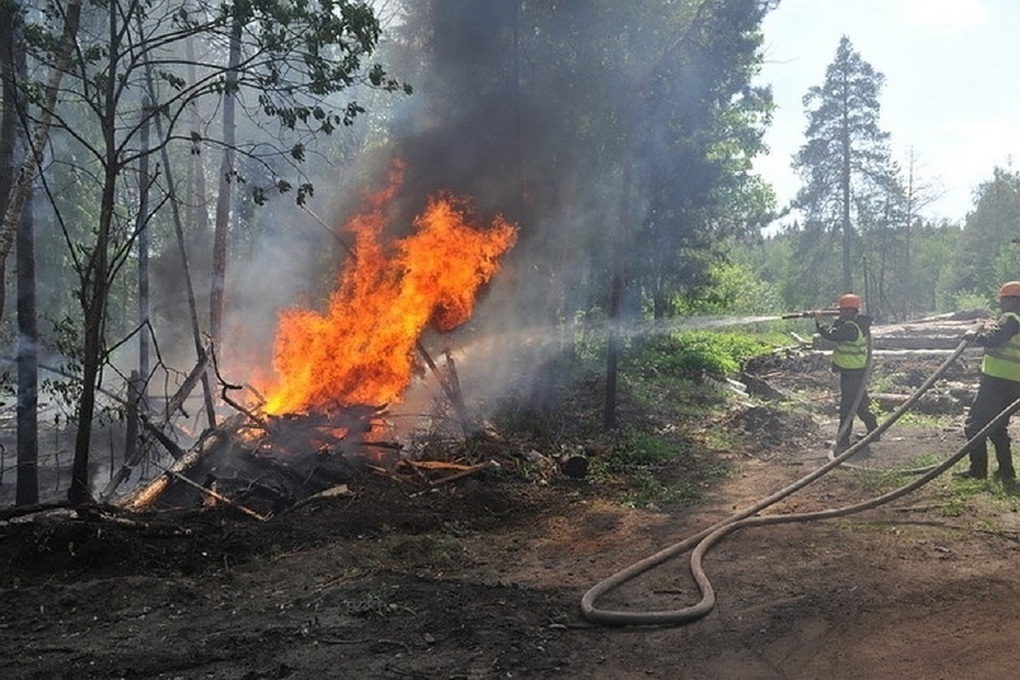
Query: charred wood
point(210, 442)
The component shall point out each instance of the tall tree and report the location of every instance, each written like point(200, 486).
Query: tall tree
point(69, 17)
point(13, 151)
point(705, 121)
point(988, 253)
point(845, 162)
point(226, 183)
point(919, 193)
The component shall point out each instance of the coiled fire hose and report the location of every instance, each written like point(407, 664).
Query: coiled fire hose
point(705, 539)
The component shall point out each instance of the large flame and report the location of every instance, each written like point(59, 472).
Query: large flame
point(361, 351)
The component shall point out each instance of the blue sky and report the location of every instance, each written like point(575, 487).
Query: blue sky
point(952, 85)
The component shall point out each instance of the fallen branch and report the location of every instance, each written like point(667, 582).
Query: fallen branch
point(451, 391)
point(219, 497)
point(465, 473)
point(436, 465)
point(145, 496)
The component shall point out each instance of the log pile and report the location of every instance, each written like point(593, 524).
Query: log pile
point(903, 356)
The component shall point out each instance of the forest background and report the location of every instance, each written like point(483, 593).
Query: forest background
point(173, 175)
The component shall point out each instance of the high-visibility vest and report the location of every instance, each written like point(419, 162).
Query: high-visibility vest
point(851, 354)
point(1004, 361)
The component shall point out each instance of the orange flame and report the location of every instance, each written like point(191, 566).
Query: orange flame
point(361, 350)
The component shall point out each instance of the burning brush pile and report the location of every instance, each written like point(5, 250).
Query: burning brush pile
point(323, 416)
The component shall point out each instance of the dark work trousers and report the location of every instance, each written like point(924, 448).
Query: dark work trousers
point(850, 382)
point(993, 396)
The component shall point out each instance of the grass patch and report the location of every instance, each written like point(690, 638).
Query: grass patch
point(647, 491)
point(648, 448)
point(877, 482)
point(959, 497)
point(925, 420)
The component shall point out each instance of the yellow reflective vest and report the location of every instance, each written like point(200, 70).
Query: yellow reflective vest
point(1004, 361)
point(852, 354)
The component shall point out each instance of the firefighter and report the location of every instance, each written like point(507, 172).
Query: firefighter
point(998, 387)
point(850, 332)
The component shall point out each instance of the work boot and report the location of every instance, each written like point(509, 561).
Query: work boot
point(1004, 457)
point(978, 457)
point(1007, 475)
point(872, 425)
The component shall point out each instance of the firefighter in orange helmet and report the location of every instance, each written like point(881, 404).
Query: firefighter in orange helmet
point(998, 387)
point(850, 332)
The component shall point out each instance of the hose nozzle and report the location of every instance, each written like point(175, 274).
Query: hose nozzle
point(810, 314)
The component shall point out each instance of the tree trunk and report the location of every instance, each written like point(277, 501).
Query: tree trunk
point(95, 283)
point(142, 228)
point(613, 352)
point(906, 276)
point(8, 111)
point(223, 200)
point(196, 332)
point(94, 299)
point(616, 291)
point(28, 363)
point(13, 154)
point(845, 186)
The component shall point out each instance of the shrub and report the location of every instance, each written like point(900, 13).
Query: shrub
point(692, 354)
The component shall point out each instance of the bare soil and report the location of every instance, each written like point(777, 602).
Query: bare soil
point(482, 577)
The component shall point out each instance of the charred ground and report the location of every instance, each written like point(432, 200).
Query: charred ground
point(482, 577)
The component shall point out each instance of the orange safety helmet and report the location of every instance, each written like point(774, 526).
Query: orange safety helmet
point(851, 301)
point(1010, 289)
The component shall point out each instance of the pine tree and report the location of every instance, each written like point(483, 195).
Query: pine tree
point(845, 162)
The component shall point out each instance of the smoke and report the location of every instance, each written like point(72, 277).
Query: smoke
point(524, 108)
point(500, 89)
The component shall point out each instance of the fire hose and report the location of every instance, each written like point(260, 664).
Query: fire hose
point(700, 543)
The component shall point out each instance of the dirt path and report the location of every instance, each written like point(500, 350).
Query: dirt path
point(902, 592)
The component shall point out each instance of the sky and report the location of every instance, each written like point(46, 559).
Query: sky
point(951, 94)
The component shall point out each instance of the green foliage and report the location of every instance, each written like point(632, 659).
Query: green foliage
point(645, 448)
point(987, 255)
point(732, 289)
point(648, 492)
point(692, 354)
point(517, 413)
point(967, 299)
point(695, 173)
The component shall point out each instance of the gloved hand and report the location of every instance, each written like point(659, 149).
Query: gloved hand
point(972, 332)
